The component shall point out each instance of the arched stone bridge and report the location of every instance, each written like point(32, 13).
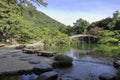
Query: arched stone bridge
point(85, 38)
point(82, 35)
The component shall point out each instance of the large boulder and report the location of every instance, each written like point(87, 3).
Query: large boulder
point(107, 76)
point(62, 61)
point(52, 75)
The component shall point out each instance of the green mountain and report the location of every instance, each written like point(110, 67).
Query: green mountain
point(25, 24)
point(40, 19)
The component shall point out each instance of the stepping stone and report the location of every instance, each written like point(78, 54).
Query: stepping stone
point(52, 75)
point(15, 55)
point(43, 67)
point(107, 76)
point(25, 58)
point(2, 56)
point(34, 61)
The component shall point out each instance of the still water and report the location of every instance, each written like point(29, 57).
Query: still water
point(90, 61)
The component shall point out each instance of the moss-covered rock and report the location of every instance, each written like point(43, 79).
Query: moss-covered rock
point(62, 61)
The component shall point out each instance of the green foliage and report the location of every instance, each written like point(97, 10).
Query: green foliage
point(102, 23)
point(106, 33)
point(108, 51)
point(115, 19)
point(79, 27)
point(108, 23)
point(107, 48)
point(26, 24)
point(107, 37)
point(42, 20)
point(54, 36)
point(107, 40)
point(9, 18)
point(109, 29)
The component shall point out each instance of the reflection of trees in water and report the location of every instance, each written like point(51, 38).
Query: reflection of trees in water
point(108, 50)
point(79, 50)
point(77, 53)
point(59, 49)
point(96, 50)
point(82, 46)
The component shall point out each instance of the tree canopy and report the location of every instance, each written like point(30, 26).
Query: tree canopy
point(107, 29)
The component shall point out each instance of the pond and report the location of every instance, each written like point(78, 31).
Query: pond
point(90, 60)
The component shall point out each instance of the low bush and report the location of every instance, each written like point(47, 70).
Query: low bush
point(63, 61)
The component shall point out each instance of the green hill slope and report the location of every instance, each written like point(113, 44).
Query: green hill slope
point(41, 19)
point(22, 24)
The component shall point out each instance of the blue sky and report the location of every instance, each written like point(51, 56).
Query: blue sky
point(68, 11)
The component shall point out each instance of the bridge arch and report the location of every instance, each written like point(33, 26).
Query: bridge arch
point(85, 38)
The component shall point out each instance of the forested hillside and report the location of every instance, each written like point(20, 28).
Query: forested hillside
point(40, 19)
point(24, 24)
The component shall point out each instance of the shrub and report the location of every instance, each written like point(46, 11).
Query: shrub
point(63, 61)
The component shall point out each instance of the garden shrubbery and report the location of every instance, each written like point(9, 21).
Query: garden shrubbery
point(63, 61)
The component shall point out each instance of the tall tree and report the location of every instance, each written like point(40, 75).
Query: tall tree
point(115, 19)
point(80, 26)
